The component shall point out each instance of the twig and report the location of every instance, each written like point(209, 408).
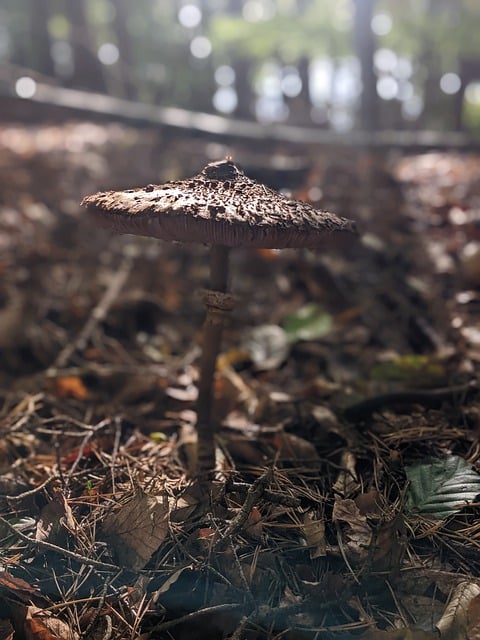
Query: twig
point(428, 397)
point(53, 547)
point(254, 493)
point(191, 616)
point(97, 315)
point(271, 496)
point(30, 492)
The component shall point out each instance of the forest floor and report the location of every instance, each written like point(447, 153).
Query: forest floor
point(347, 399)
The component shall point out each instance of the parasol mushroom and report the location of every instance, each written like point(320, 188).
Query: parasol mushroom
point(223, 208)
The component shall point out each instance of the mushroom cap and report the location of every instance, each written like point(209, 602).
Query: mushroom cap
point(220, 206)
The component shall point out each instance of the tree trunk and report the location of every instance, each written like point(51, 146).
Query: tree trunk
point(87, 72)
point(124, 43)
point(41, 53)
point(243, 87)
point(365, 47)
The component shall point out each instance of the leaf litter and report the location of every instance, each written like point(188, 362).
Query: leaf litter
point(341, 373)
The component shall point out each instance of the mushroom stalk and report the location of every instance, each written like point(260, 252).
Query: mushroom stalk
point(218, 305)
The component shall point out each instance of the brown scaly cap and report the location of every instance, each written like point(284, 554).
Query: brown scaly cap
point(221, 206)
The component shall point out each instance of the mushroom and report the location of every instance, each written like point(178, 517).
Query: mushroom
point(223, 208)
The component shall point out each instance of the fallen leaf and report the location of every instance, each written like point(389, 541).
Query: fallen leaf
point(253, 526)
point(294, 447)
point(347, 480)
point(20, 588)
point(6, 630)
point(441, 488)
point(169, 582)
point(137, 529)
point(455, 619)
point(268, 346)
point(412, 369)
point(310, 322)
point(56, 519)
point(69, 387)
point(42, 625)
point(314, 532)
point(356, 530)
point(473, 619)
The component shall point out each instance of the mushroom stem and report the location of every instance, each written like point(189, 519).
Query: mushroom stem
point(218, 305)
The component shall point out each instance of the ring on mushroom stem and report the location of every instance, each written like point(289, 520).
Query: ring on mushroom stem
point(223, 208)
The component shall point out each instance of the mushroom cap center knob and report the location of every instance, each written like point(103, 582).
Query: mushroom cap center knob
point(223, 170)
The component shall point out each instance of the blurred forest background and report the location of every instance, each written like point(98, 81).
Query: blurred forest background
point(333, 64)
point(347, 372)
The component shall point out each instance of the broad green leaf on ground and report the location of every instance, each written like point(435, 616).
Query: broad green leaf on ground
point(310, 322)
point(440, 488)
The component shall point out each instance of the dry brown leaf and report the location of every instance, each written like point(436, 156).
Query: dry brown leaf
point(171, 580)
point(137, 529)
point(232, 393)
point(6, 630)
point(56, 518)
point(473, 619)
point(357, 533)
point(184, 506)
point(314, 531)
point(455, 619)
point(347, 481)
point(253, 525)
point(69, 387)
point(387, 543)
point(18, 587)
point(294, 447)
point(41, 625)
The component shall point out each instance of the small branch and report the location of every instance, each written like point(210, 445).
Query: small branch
point(428, 397)
point(64, 552)
point(97, 315)
point(193, 615)
point(253, 495)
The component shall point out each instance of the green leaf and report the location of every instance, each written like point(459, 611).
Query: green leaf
point(416, 370)
point(440, 488)
point(308, 323)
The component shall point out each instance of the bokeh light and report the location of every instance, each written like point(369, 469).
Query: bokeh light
point(385, 60)
point(108, 53)
point(381, 24)
point(387, 88)
point(224, 75)
point(25, 87)
point(225, 99)
point(190, 16)
point(472, 93)
point(255, 10)
point(450, 83)
point(291, 83)
point(200, 47)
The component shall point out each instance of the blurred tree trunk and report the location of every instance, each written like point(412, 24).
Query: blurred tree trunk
point(243, 87)
point(124, 42)
point(365, 48)
point(300, 106)
point(87, 72)
point(40, 39)
point(202, 85)
point(434, 98)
